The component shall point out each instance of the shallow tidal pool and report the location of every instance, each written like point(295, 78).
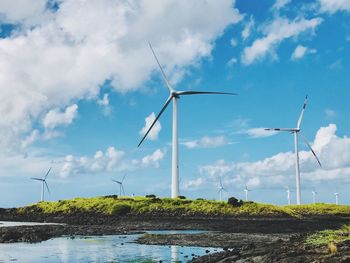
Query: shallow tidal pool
point(113, 248)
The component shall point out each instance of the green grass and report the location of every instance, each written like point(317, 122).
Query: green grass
point(329, 236)
point(186, 207)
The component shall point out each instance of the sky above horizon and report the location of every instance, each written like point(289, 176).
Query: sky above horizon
point(79, 85)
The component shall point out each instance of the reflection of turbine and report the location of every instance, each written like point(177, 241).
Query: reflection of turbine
point(246, 190)
point(121, 187)
point(336, 194)
point(174, 253)
point(288, 194)
point(174, 96)
point(43, 182)
point(314, 193)
point(221, 189)
point(295, 131)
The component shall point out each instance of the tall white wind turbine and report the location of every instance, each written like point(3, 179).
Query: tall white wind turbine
point(221, 189)
point(336, 194)
point(174, 96)
point(43, 184)
point(121, 187)
point(288, 194)
point(296, 131)
point(314, 193)
point(246, 190)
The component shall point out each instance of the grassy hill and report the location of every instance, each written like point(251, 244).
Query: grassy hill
point(182, 207)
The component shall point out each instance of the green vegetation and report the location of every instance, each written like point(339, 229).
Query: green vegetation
point(330, 237)
point(111, 205)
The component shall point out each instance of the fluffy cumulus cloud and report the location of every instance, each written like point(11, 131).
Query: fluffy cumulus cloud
point(107, 161)
point(274, 33)
point(280, 4)
point(279, 170)
point(300, 51)
point(56, 117)
point(206, 142)
point(332, 6)
point(53, 59)
point(153, 134)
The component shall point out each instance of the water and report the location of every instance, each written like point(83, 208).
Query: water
point(114, 248)
point(10, 223)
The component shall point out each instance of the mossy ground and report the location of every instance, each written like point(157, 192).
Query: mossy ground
point(327, 237)
point(141, 205)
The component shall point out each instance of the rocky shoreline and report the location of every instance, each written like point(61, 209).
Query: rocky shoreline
point(243, 239)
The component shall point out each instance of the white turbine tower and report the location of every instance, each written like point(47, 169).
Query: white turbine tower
point(221, 189)
point(336, 194)
point(121, 187)
point(43, 182)
point(246, 190)
point(295, 131)
point(288, 194)
point(314, 193)
point(174, 96)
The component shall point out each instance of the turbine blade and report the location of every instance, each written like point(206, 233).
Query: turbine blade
point(47, 173)
point(123, 189)
point(155, 120)
point(204, 92)
point(302, 113)
point(280, 129)
point(47, 187)
point(161, 69)
point(38, 179)
point(123, 178)
point(313, 152)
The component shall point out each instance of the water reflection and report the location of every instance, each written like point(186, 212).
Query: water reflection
point(116, 248)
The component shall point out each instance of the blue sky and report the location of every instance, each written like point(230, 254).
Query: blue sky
point(76, 94)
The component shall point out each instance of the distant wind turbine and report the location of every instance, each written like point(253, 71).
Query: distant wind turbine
point(246, 190)
point(121, 187)
point(221, 189)
point(43, 182)
point(336, 194)
point(314, 193)
point(174, 96)
point(288, 194)
point(295, 131)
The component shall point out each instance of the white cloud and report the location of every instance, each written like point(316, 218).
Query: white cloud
point(56, 118)
point(153, 134)
point(107, 161)
point(193, 184)
point(55, 59)
point(231, 62)
point(153, 159)
point(275, 32)
point(280, 4)
point(260, 132)
point(336, 65)
point(332, 6)
point(206, 142)
point(277, 170)
point(300, 51)
point(248, 28)
point(330, 113)
point(233, 42)
point(104, 103)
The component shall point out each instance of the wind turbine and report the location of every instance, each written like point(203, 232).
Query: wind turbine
point(246, 190)
point(336, 194)
point(288, 194)
point(314, 193)
point(295, 131)
point(121, 187)
point(174, 96)
point(43, 182)
point(221, 189)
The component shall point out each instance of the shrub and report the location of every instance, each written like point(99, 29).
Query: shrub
point(235, 202)
point(151, 196)
point(181, 197)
